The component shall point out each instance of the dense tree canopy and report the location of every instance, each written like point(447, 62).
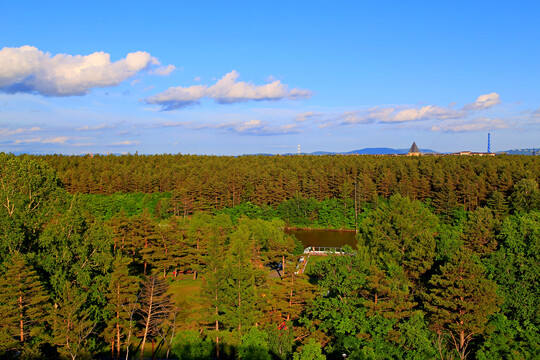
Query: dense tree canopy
point(186, 256)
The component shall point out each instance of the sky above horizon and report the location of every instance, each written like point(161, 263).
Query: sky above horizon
point(248, 77)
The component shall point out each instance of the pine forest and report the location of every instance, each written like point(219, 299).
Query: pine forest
point(186, 257)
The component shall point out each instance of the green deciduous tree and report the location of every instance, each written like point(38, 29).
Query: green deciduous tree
point(30, 194)
point(403, 232)
point(77, 251)
point(525, 196)
point(516, 265)
point(254, 346)
point(189, 345)
point(311, 351)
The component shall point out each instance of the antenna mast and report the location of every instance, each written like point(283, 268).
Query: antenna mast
point(489, 143)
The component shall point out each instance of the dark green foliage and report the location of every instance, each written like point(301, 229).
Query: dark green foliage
point(367, 311)
point(414, 288)
point(24, 305)
point(479, 232)
point(189, 345)
point(122, 297)
point(311, 351)
point(106, 207)
point(460, 300)
point(510, 340)
point(209, 182)
point(75, 250)
point(71, 323)
point(30, 195)
point(516, 265)
point(401, 232)
point(254, 346)
point(525, 196)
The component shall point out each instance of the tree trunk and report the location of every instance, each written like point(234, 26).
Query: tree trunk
point(117, 324)
point(462, 344)
point(149, 314)
point(21, 320)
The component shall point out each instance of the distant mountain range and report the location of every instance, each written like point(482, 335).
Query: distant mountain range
point(368, 151)
point(390, 151)
point(520, 152)
point(376, 151)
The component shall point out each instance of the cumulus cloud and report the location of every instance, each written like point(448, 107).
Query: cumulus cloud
point(402, 114)
point(424, 113)
point(226, 90)
point(40, 140)
point(480, 124)
point(27, 69)
point(397, 115)
point(484, 102)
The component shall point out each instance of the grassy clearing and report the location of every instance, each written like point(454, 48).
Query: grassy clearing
point(314, 259)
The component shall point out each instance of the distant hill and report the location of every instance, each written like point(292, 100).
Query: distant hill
point(387, 151)
point(365, 151)
point(368, 151)
point(520, 152)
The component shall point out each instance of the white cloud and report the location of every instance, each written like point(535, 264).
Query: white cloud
point(249, 127)
point(125, 142)
point(484, 102)
point(7, 132)
point(225, 91)
point(424, 113)
point(27, 69)
point(402, 114)
point(40, 140)
point(536, 114)
point(163, 70)
point(364, 117)
point(259, 128)
point(96, 127)
point(307, 115)
point(398, 115)
point(480, 124)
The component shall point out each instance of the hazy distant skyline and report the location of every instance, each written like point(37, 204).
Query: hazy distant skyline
point(241, 77)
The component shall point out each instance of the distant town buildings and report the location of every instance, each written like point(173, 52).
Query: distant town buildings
point(414, 151)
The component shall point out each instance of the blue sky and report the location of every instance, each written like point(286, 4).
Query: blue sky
point(244, 77)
